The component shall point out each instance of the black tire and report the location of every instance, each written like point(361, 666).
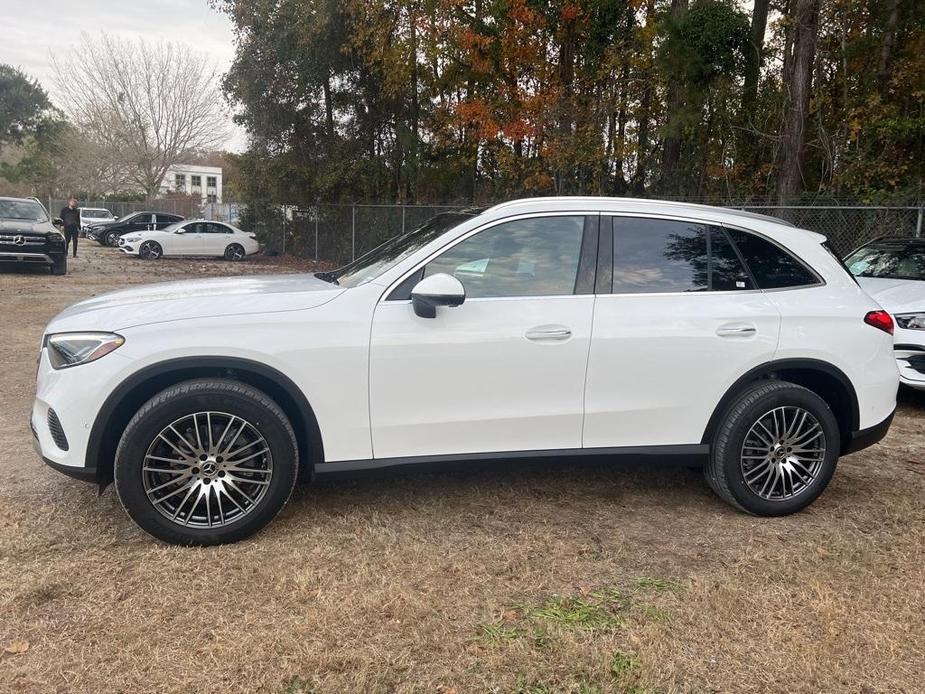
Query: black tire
point(150, 250)
point(214, 396)
point(725, 470)
point(60, 266)
point(234, 252)
point(112, 238)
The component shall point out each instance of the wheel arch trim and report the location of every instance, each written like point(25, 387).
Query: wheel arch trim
point(308, 431)
point(770, 369)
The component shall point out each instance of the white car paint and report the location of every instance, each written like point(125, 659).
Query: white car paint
point(538, 373)
point(899, 297)
point(191, 237)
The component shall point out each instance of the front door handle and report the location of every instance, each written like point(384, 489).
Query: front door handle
point(740, 330)
point(549, 332)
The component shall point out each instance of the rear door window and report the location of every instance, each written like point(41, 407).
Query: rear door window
point(666, 256)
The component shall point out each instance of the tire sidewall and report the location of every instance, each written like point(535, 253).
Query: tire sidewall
point(729, 440)
point(146, 254)
point(142, 430)
point(230, 251)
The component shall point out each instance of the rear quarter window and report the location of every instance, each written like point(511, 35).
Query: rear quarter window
point(771, 266)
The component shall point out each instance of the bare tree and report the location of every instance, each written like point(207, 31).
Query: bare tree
point(92, 166)
point(154, 102)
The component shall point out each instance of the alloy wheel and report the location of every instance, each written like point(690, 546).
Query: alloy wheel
point(207, 469)
point(150, 250)
point(783, 453)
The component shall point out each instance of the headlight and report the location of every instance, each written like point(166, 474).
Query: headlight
point(911, 321)
point(72, 349)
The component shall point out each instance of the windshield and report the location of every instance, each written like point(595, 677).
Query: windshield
point(96, 214)
point(896, 261)
point(393, 251)
point(28, 210)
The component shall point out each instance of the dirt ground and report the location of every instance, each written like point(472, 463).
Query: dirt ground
point(559, 577)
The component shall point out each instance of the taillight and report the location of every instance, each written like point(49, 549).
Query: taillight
point(880, 320)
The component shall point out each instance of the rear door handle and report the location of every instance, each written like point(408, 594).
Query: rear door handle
point(548, 332)
point(740, 330)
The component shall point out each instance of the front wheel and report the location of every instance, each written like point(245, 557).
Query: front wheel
point(234, 252)
point(150, 250)
point(59, 265)
point(112, 238)
point(775, 450)
point(206, 462)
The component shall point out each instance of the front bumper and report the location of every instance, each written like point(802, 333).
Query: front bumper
point(909, 350)
point(28, 258)
point(75, 395)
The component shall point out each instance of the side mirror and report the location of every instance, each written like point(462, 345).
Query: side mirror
point(437, 290)
point(58, 222)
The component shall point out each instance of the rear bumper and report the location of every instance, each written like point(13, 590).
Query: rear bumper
point(868, 437)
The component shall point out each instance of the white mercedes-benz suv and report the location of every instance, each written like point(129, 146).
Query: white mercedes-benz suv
point(559, 326)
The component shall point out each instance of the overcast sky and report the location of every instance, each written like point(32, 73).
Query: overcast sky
point(32, 30)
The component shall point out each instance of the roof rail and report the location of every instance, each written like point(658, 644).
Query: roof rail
point(647, 202)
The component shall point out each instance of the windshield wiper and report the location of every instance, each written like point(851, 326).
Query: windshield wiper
point(327, 276)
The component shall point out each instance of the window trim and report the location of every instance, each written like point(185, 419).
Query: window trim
point(392, 295)
point(708, 223)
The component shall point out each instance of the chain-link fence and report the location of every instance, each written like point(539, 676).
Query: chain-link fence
point(338, 233)
point(849, 227)
point(188, 207)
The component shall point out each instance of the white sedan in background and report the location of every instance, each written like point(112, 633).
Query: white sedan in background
point(892, 271)
point(198, 237)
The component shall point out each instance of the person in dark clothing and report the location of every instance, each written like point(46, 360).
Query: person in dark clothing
point(70, 215)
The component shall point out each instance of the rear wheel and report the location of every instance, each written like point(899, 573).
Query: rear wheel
point(234, 252)
point(775, 451)
point(150, 250)
point(206, 462)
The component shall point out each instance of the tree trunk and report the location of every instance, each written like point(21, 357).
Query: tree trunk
point(886, 47)
point(797, 89)
point(671, 148)
point(411, 185)
point(328, 108)
point(754, 57)
point(642, 120)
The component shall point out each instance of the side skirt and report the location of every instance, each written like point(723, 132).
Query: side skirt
point(691, 455)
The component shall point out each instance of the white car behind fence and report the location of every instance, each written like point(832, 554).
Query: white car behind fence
point(191, 237)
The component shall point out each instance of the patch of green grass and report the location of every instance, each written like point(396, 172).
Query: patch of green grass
point(659, 584)
point(525, 686)
point(623, 665)
point(498, 633)
point(540, 637)
point(598, 610)
point(298, 686)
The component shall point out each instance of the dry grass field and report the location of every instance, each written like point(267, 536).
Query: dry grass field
point(553, 577)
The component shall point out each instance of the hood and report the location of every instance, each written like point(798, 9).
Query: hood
point(172, 301)
point(896, 296)
point(102, 223)
point(25, 226)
